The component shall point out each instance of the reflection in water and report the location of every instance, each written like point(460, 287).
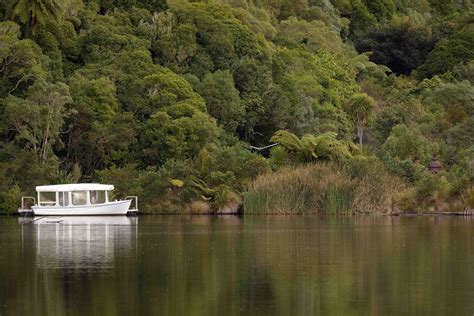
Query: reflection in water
point(261, 265)
point(49, 265)
point(82, 243)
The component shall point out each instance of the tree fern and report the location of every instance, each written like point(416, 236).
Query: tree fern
point(287, 140)
point(311, 147)
point(362, 63)
point(33, 12)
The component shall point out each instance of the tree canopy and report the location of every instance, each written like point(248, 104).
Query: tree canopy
point(178, 92)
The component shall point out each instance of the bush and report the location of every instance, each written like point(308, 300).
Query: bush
point(447, 54)
point(468, 197)
point(10, 199)
point(279, 157)
point(235, 165)
point(402, 45)
point(323, 187)
point(432, 192)
point(375, 185)
point(427, 186)
point(338, 198)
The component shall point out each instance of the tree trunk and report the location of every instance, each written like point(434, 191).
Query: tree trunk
point(360, 136)
point(29, 27)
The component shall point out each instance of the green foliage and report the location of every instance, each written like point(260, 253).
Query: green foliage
point(9, 199)
point(405, 6)
point(323, 187)
point(205, 36)
point(94, 98)
point(215, 178)
point(368, 69)
point(258, 19)
point(224, 197)
point(406, 112)
point(316, 87)
point(3, 10)
point(382, 9)
point(58, 41)
point(279, 157)
point(37, 119)
point(314, 35)
point(221, 198)
point(338, 198)
point(222, 99)
point(443, 7)
point(407, 143)
point(449, 53)
point(22, 61)
point(231, 165)
point(431, 185)
point(325, 146)
point(121, 177)
point(164, 137)
point(361, 108)
point(98, 135)
point(402, 45)
point(151, 5)
point(151, 94)
point(290, 141)
point(177, 183)
point(343, 6)
point(30, 13)
point(361, 19)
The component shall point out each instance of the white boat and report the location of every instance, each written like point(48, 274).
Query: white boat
point(77, 199)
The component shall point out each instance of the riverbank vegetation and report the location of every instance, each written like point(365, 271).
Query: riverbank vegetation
point(330, 188)
point(165, 98)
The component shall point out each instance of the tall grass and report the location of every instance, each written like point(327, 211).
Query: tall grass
point(363, 186)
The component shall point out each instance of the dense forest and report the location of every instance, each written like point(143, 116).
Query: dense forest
point(168, 100)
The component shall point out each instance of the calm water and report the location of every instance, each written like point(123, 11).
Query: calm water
point(201, 265)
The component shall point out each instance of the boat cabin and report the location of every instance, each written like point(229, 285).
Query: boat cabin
point(64, 195)
point(81, 199)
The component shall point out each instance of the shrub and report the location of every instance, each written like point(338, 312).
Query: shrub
point(9, 200)
point(338, 197)
point(468, 197)
point(279, 157)
point(323, 187)
point(402, 45)
point(375, 185)
point(449, 53)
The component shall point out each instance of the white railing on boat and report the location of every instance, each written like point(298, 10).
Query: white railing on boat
point(25, 208)
point(135, 199)
point(24, 198)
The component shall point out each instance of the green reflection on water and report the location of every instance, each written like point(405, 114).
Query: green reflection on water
point(261, 265)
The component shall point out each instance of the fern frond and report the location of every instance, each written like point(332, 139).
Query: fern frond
point(288, 140)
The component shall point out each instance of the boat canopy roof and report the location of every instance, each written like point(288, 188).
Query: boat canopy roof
point(75, 187)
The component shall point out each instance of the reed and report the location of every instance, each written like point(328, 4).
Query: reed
point(322, 187)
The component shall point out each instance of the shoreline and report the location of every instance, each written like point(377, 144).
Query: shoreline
point(456, 213)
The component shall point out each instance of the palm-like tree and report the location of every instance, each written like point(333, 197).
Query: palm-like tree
point(325, 146)
point(362, 109)
point(361, 63)
point(30, 13)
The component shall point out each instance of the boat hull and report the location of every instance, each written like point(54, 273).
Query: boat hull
point(111, 208)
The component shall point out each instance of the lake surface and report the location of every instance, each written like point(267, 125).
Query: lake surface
point(261, 265)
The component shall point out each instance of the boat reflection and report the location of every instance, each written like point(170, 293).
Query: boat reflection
point(82, 243)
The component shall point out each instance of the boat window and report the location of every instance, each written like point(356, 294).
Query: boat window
point(79, 197)
point(97, 197)
point(63, 198)
point(47, 198)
